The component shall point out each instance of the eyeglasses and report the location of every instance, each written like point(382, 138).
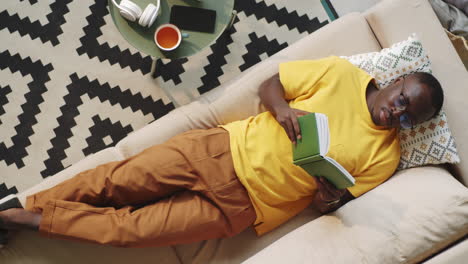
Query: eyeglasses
point(401, 103)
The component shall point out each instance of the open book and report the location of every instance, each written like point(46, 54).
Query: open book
point(310, 151)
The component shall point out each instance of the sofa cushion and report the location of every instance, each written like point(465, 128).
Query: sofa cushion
point(430, 142)
point(414, 214)
point(394, 21)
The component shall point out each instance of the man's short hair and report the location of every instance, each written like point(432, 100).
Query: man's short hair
point(437, 93)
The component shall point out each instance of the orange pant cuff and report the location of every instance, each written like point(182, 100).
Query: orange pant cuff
point(30, 201)
point(45, 226)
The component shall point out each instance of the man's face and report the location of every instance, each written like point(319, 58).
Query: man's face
point(404, 103)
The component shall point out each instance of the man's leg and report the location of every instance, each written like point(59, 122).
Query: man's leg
point(198, 161)
point(182, 218)
point(152, 174)
point(139, 179)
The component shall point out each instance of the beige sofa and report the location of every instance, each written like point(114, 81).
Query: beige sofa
point(414, 215)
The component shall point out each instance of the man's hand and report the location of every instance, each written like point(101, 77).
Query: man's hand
point(328, 198)
point(287, 117)
point(271, 93)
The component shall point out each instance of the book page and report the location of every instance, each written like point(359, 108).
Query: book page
point(327, 133)
point(324, 133)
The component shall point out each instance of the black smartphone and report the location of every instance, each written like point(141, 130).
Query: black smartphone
point(193, 18)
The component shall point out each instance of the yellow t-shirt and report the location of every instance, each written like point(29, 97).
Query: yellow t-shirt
point(262, 152)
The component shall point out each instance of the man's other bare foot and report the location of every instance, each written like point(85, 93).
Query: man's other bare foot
point(4, 237)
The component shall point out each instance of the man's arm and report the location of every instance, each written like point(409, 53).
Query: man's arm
point(328, 198)
point(271, 94)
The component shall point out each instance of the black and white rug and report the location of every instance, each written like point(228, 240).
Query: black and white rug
point(70, 85)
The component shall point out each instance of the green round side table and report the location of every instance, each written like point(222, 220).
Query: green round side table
point(142, 38)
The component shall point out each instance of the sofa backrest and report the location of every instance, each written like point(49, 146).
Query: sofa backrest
point(394, 21)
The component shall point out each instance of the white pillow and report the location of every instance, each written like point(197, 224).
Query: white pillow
point(430, 142)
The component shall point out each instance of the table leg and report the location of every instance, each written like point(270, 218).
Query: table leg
point(153, 66)
point(233, 18)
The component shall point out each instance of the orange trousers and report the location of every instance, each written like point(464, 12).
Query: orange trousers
point(182, 191)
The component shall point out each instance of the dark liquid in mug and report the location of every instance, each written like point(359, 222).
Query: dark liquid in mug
point(167, 37)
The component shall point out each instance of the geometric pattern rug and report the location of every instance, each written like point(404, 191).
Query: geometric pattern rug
point(70, 85)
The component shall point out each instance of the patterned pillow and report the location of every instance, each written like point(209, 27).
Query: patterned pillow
point(430, 142)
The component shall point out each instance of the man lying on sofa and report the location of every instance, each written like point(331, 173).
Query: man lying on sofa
point(206, 184)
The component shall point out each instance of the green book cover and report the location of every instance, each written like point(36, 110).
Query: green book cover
point(309, 145)
point(309, 153)
point(331, 170)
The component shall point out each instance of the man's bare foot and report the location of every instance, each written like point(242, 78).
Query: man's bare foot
point(18, 218)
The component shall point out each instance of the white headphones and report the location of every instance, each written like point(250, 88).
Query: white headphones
point(132, 12)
